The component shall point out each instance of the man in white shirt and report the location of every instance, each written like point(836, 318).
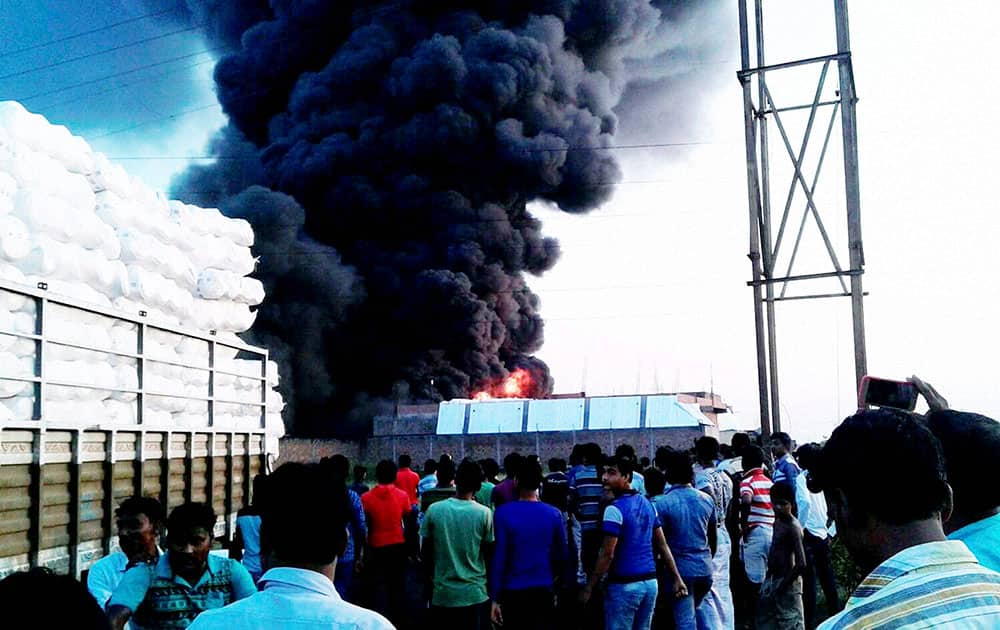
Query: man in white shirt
point(818, 531)
point(139, 521)
point(303, 530)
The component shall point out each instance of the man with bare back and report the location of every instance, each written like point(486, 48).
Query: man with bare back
point(780, 605)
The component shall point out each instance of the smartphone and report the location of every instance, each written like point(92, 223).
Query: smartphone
point(882, 392)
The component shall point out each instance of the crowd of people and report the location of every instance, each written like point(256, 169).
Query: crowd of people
point(717, 536)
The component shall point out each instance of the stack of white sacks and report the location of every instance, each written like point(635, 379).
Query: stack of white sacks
point(72, 219)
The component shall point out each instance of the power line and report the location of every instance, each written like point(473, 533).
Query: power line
point(650, 145)
point(100, 52)
point(85, 33)
point(115, 88)
point(146, 123)
point(123, 73)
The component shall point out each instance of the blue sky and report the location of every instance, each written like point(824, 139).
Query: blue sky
point(164, 111)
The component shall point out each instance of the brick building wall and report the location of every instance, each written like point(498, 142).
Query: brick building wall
point(306, 451)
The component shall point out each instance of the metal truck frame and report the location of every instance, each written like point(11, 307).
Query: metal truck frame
point(60, 481)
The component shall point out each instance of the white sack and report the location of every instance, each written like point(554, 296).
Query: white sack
point(251, 291)
point(8, 192)
point(15, 242)
point(19, 408)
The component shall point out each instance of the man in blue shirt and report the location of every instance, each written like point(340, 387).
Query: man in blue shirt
point(970, 442)
point(357, 531)
point(638, 481)
point(631, 533)
point(688, 519)
point(139, 521)
point(429, 480)
point(785, 466)
point(186, 580)
point(530, 556)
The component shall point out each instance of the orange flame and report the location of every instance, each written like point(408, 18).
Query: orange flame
point(517, 385)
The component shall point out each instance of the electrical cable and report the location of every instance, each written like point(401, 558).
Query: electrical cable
point(73, 86)
point(98, 53)
point(85, 33)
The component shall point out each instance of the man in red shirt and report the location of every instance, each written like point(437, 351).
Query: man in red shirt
point(385, 507)
point(407, 480)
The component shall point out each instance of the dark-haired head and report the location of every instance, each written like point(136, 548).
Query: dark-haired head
point(753, 457)
point(781, 443)
point(529, 477)
point(618, 474)
point(783, 499)
point(557, 465)
point(303, 519)
point(510, 464)
point(146, 506)
point(739, 442)
point(782, 491)
point(576, 455)
point(807, 454)
point(906, 502)
point(189, 537)
point(339, 466)
point(445, 471)
point(656, 483)
point(430, 467)
point(661, 457)
point(491, 469)
point(625, 450)
point(469, 477)
point(188, 517)
point(678, 469)
point(360, 472)
point(706, 448)
point(969, 442)
point(139, 521)
point(405, 461)
point(385, 472)
point(592, 454)
point(40, 598)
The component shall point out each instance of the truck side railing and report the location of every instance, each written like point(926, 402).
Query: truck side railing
point(61, 477)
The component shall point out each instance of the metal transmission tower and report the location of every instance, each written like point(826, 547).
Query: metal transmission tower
point(770, 239)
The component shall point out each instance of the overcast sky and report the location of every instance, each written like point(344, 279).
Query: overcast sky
point(651, 294)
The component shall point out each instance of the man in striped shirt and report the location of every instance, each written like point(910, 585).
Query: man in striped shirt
point(756, 519)
point(585, 492)
point(893, 529)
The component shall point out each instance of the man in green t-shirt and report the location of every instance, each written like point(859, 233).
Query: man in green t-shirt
point(457, 533)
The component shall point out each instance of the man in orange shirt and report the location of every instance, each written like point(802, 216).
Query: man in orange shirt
point(407, 480)
point(386, 506)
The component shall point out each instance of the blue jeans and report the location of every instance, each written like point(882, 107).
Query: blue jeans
point(630, 606)
point(684, 608)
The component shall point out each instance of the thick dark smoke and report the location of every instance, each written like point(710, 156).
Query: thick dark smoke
point(406, 140)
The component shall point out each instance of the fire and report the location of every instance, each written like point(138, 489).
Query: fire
point(517, 385)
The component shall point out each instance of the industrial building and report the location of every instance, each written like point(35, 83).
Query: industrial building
point(546, 427)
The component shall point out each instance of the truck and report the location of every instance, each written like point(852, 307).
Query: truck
point(66, 461)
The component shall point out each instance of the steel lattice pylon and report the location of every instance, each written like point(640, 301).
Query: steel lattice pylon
point(762, 112)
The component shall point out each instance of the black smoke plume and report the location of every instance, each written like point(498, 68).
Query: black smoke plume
point(403, 142)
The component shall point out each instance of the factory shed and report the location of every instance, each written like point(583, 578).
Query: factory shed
point(546, 427)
